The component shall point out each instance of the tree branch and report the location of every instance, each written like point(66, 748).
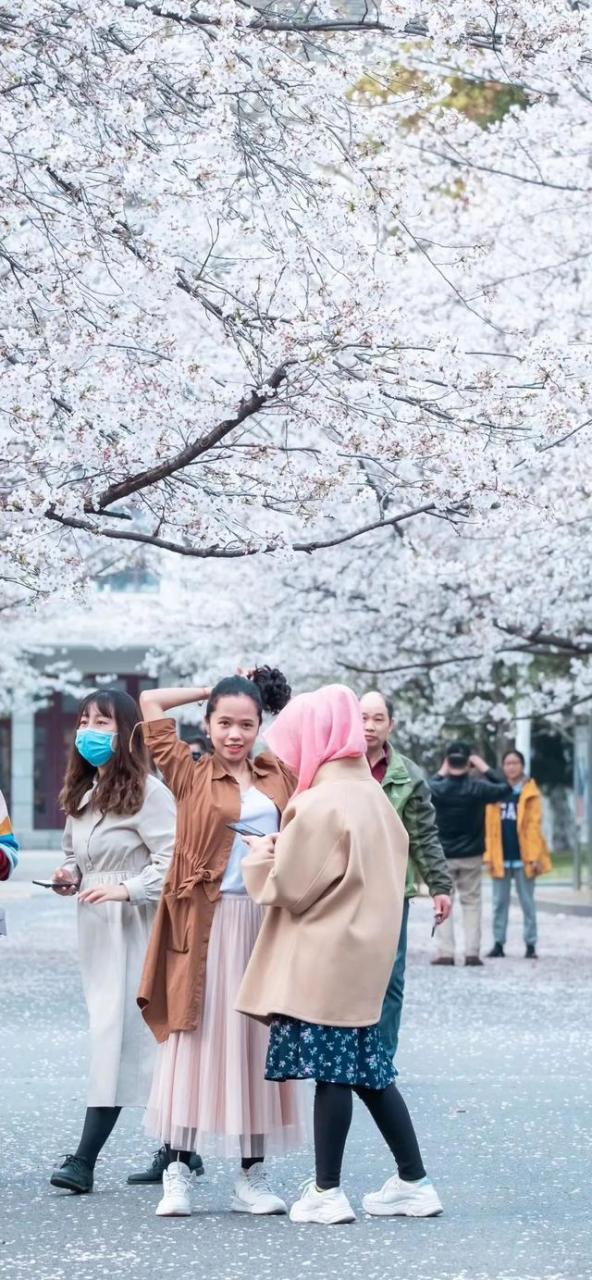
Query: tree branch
point(428, 664)
point(307, 26)
point(538, 644)
point(547, 642)
point(152, 475)
point(310, 26)
point(234, 552)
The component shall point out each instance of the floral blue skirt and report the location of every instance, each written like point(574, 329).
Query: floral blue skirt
point(336, 1055)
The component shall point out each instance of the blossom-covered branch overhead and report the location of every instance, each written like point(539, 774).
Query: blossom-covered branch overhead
point(286, 278)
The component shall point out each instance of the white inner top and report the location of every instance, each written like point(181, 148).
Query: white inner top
point(259, 812)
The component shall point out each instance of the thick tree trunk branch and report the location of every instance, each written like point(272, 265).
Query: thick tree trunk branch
point(311, 26)
point(152, 475)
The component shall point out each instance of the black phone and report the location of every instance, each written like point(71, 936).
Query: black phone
point(52, 884)
point(242, 829)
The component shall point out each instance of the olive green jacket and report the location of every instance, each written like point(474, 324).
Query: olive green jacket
point(410, 796)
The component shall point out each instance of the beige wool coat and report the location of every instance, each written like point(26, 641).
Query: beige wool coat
point(334, 889)
point(135, 850)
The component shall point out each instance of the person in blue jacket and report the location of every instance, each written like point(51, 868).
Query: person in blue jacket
point(9, 851)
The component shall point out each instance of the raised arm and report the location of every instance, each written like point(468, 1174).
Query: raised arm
point(173, 757)
point(491, 786)
point(155, 703)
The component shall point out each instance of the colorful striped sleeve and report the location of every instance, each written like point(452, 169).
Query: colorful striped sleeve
point(9, 845)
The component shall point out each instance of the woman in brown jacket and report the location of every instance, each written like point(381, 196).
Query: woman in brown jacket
point(334, 883)
point(209, 1080)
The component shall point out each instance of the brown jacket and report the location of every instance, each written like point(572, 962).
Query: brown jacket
point(172, 986)
point(335, 888)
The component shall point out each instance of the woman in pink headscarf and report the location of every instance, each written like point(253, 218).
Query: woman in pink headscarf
point(333, 882)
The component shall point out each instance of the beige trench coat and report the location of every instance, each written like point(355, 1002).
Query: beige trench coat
point(113, 937)
point(334, 888)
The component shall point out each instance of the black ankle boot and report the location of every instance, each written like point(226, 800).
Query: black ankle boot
point(159, 1162)
point(530, 953)
point(75, 1174)
point(496, 951)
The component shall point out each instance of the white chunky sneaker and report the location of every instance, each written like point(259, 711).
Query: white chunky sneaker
point(327, 1207)
point(176, 1185)
point(411, 1199)
point(253, 1194)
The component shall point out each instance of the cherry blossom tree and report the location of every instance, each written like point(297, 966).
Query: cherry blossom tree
point(271, 294)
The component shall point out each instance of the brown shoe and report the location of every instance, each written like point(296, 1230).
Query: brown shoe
point(474, 960)
point(442, 960)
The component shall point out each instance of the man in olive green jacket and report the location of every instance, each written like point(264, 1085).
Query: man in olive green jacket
point(409, 794)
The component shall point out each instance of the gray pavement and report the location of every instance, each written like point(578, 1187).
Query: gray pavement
point(496, 1066)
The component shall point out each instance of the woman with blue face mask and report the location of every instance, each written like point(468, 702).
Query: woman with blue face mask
point(118, 841)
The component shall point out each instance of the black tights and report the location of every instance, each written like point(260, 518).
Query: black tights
point(173, 1154)
point(332, 1120)
point(98, 1124)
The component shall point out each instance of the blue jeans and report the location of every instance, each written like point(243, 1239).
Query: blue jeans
point(501, 905)
point(390, 1019)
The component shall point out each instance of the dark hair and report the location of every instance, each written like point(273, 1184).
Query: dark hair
point(458, 752)
point(267, 687)
point(513, 751)
point(201, 742)
point(120, 788)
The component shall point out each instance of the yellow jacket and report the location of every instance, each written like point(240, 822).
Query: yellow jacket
point(534, 849)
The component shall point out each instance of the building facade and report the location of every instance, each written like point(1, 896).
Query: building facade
point(35, 742)
point(106, 643)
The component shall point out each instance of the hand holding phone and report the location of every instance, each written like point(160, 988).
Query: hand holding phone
point(63, 883)
point(63, 887)
point(243, 829)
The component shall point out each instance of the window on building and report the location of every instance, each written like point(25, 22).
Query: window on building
point(136, 579)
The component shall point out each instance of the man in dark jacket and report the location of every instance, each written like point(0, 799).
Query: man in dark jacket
point(404, 784)
point(460, 791)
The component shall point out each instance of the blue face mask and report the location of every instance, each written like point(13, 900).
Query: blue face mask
point(95, 747)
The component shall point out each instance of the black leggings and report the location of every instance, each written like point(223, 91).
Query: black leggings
point(332, 1120)
point(98, 1124)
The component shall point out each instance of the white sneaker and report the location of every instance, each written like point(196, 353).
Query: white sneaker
point(412, 1199)
point(176, 1200)
point(326, 1207)
point(253, 1194)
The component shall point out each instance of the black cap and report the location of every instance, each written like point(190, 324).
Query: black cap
point(458, 753)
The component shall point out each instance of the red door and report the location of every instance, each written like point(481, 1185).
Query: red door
point(5, 759)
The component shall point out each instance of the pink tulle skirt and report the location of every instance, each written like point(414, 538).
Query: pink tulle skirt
point(209, 1092)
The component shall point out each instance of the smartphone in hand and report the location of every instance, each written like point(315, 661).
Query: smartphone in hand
point(242, 829)
point(55, 884)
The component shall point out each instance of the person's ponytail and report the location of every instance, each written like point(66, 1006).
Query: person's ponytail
point(267, 686)
point(273, 687)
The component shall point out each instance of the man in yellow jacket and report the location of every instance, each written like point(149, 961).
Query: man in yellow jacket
point(516, 849)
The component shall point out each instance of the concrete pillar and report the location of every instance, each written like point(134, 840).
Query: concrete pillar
point(523, 739)
point(23, 740)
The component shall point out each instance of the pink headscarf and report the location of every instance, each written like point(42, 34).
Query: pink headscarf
point(315, 728)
